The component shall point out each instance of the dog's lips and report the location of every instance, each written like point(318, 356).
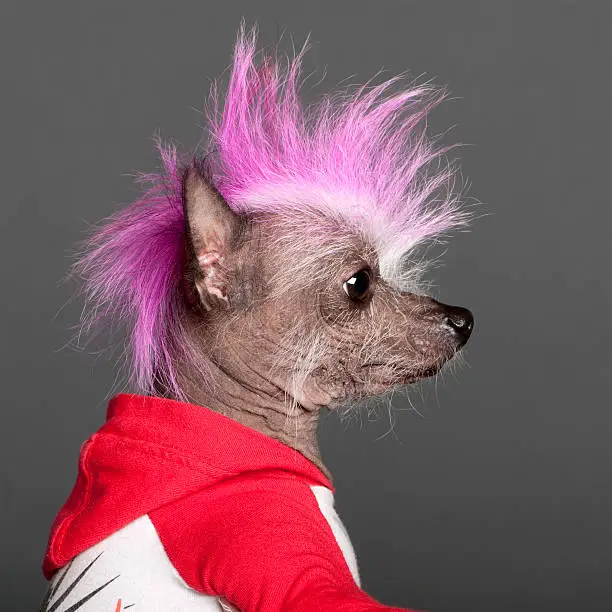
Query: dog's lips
point(384, 374)
point(377, 377)
point(432, 371)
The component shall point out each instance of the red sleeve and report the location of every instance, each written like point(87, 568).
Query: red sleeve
point(263, 544)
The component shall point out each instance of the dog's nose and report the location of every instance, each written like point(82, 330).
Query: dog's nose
point(460, 320)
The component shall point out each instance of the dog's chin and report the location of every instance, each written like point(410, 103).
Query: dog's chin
point(380, 385)
point(376, 379)
point(425, 373)
point(430, 371)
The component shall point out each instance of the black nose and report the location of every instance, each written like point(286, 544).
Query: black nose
point(460, 320)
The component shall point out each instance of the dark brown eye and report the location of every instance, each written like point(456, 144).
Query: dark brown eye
point(358, 286)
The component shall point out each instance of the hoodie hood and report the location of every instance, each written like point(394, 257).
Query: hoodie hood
point(152, 451)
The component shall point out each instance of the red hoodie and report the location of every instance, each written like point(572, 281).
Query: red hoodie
point(176, 505)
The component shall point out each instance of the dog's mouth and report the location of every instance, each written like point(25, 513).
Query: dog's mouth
point(380, 373)
point(429, 372)
point(376, 377)
point(381, 369)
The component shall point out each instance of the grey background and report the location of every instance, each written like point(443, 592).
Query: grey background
point(498, 497)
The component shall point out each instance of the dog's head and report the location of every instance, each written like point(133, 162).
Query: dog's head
point(306, 302)
point(287, 253)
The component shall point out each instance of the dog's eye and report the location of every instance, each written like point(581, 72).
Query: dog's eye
point(358, 286)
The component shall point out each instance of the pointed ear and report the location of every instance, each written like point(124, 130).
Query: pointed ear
point(212, 228)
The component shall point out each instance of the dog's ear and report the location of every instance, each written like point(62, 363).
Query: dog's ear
point(212, 230)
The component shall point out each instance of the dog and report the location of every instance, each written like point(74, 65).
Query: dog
point(269, 276)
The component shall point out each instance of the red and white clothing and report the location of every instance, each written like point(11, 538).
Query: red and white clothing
point(176, 506)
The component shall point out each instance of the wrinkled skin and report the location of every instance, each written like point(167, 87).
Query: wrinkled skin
point(281, 337)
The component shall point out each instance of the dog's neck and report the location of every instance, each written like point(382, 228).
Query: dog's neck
point(259, 404)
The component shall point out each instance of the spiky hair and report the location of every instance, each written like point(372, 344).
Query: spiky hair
point(360, 155)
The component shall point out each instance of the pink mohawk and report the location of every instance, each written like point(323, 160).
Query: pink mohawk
point(132, 270)
point(361, 156)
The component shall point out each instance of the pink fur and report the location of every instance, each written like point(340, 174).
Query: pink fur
point(361, 155)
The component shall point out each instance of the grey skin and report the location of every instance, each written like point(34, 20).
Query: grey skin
point(282, 326)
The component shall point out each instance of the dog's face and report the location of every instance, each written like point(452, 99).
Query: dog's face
point(301, 302)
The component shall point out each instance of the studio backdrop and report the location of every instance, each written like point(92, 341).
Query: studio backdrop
point(489, 488)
